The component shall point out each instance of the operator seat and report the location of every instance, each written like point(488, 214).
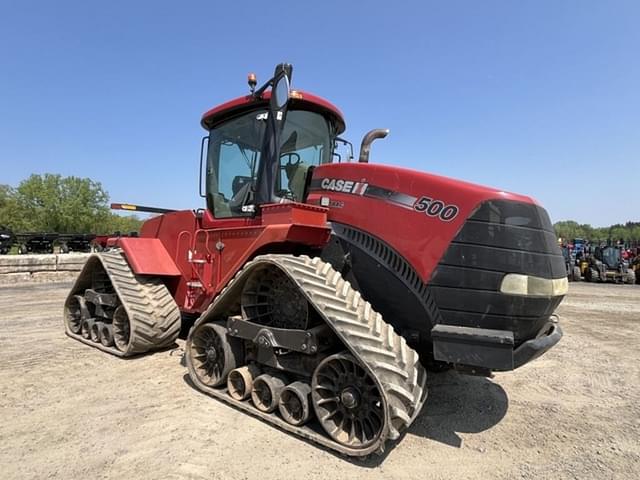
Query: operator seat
point(221, 206)
point(297, 177)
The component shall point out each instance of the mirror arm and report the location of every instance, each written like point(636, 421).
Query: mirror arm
point(258, 93)
point(285, 69)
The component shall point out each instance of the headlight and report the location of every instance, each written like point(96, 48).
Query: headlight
point(518, 284)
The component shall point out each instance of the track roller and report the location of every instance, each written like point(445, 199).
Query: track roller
point(96, 332)
point(106, 335)
point(240, 381)
point(87, 326)
point(294, 403)
point(266, 392)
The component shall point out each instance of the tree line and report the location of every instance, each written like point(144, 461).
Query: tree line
point(57, 204)
point(629, 232)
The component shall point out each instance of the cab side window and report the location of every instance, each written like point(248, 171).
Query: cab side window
point(305, 143)
point(233, 156)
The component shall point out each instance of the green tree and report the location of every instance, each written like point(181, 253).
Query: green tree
point(54, 203)
point(569, 229)
point(8, 207)
point(121, 223)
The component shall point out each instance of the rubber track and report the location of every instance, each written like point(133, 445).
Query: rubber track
point(384, 353)
point(154, 316)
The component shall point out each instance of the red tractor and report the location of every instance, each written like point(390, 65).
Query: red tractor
point(322, 291)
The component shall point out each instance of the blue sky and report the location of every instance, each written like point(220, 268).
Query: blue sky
point(535, 97)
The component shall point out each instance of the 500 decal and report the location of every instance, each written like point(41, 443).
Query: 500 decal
point(436, 208)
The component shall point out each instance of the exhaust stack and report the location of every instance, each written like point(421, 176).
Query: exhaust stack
point(368, 139)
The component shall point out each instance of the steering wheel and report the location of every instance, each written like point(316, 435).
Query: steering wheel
point(290, 163)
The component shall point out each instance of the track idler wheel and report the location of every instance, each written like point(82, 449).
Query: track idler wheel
point(294, 405)
point(266, 392)
point(106, 335)
point(240, 381)
point(121, 328)
point(87, 326)
point(347, 401)
point(76, 312)
point(213, 354)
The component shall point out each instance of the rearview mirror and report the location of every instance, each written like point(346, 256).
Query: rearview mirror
point(281, 92)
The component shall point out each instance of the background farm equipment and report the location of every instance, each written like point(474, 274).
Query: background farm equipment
point(634, 265)
point(75, 242)
point(607, 265)
point(6, 240)
point(573, 270)
point(35, 242)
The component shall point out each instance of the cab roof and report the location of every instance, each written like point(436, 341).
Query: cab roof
point(298, 100)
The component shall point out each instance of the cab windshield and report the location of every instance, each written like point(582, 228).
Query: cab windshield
point(234, 154)
point(611, 257)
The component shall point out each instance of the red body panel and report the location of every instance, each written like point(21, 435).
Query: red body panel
point(304, 99)
point(207, 252)
point(147, 256)
point(419, 238)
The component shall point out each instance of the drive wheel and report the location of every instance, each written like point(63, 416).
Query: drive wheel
point(347, 401)
point(212, 354)
point(270, 298)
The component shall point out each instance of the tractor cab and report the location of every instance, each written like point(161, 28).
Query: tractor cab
point(261, 148)
point(610, 256)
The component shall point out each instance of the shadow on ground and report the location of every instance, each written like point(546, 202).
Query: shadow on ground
point(459, 404)
point(456, 404)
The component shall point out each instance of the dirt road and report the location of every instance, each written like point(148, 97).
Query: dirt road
point(69, 411)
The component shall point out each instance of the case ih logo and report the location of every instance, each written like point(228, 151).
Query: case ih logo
point(344, 186)
point(429, 206)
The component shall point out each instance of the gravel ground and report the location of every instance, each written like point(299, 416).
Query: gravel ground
point(70, 411)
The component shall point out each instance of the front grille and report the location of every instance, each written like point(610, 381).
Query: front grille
point(500, 237)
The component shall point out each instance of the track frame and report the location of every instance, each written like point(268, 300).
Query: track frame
point(393, 365)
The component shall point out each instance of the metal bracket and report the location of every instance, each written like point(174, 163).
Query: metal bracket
point(304, 341)
point(108, 299)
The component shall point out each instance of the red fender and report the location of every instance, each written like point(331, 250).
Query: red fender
point(147, 256)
